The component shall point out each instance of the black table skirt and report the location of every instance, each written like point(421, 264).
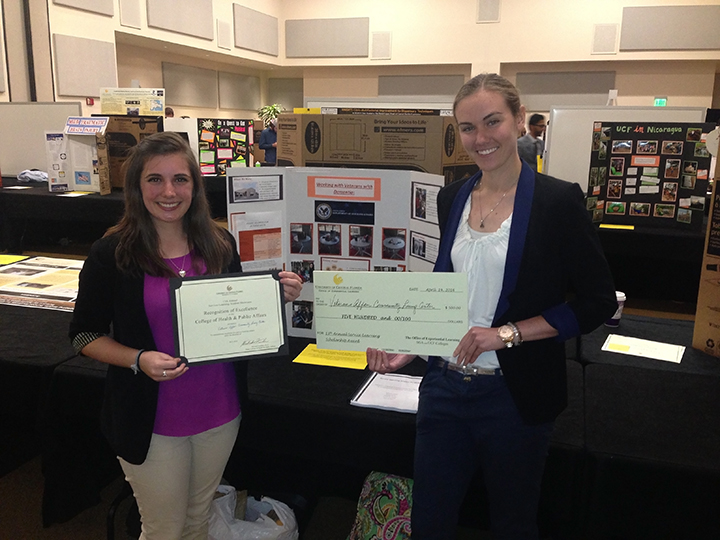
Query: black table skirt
point(32, 343)
point(36, 215)
point(300, 435)
point(655, 263)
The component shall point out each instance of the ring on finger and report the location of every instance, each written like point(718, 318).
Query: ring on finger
point(164, 373)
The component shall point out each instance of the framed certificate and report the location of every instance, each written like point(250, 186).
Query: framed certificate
point(228, 317)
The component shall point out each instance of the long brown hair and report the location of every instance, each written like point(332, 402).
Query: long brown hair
point(139, 246)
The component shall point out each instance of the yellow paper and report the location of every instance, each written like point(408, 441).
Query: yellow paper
point(9, 259)
point(623, 227)
point(329, 357)
point(644, 348)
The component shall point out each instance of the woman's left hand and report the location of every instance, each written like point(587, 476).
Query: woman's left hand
point(292, 285)
point(477, 341)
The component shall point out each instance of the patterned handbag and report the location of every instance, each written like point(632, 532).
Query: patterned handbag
point(383, 510)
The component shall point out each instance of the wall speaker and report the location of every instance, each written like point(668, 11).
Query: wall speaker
point(488, 11)
point(381, 46)
point(224, 35)
point(605, 39)
point(130, 13)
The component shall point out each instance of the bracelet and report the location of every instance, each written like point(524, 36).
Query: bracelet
point(517, 336)
point(136, 366)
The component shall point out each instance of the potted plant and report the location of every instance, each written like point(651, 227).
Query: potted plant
point(269, 112)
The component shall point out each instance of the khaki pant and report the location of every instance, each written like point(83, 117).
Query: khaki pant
point(175, 485)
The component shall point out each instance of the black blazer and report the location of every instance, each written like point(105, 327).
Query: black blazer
point(555, 267)
point(109, 298)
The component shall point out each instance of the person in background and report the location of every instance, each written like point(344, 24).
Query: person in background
point(169, 113)
point(172, 426)
point(268, 142)
point(537, 276)
point(532, 144)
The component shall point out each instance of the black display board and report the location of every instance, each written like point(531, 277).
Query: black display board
point(223, 143)
point(649, 174)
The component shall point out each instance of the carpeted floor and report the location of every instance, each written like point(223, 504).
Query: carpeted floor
point(21, 499)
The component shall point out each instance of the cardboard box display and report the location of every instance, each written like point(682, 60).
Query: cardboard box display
point(300, 140)
point(422, 142)
point(122, 133)
point(76, 162)
point(706, 334)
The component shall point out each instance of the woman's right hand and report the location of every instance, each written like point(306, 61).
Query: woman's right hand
point(382, 362)
point(155, 363)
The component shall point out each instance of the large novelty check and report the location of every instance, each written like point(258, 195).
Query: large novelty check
point(399, 312)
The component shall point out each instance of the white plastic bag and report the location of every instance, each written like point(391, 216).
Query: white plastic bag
point(224, 526)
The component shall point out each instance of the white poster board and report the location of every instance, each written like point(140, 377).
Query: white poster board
point(307, 219)
point(569, 136)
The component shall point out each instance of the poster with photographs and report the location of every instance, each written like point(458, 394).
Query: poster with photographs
point(224, 143)
point(649, 174)
point(350, 220)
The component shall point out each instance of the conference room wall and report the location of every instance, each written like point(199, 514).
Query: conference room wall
point(685, 84)
point(16, 81)
point(145, 66)
point(557, 32)
point(435, 32)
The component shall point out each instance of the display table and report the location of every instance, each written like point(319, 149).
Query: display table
point(635, 455)
point(652, 436)
point(299, 434)
point(22, 210)
point(655, 263)
point(86, 217)
point(32, 343)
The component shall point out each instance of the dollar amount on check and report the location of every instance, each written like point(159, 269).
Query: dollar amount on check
point(399, 312)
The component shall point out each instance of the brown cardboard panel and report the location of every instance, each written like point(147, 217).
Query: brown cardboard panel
point(421, 142)
point(122, 133)
point(706, 335)
point(411, 141)
point(299, 139)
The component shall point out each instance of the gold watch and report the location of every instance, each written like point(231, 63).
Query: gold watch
point(508, 334)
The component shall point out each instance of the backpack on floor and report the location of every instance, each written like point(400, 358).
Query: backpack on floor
point(383, 510)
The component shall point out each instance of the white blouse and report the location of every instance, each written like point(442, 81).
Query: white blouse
point(482, 256)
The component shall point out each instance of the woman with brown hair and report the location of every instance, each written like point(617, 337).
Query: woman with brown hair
point(172, 426)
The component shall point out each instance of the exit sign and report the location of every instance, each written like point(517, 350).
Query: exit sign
point(661, 102)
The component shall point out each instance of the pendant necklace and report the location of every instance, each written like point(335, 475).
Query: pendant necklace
point(482, 219)
point(180, 270)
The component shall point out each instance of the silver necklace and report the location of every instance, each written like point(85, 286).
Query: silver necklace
point(482, 219)
point(181, 271)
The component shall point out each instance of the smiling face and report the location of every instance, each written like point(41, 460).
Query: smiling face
point(167, 188)
point(489, 130)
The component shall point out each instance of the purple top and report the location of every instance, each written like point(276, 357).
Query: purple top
point(205, 396)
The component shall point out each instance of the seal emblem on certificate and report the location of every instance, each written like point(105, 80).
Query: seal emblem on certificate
point(228, 317)
point(400, 312)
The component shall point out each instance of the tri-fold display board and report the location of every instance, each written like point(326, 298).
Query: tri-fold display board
point(307, 219)
point(649, 174)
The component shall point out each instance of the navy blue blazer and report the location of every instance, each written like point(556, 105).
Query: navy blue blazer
point(555, 267)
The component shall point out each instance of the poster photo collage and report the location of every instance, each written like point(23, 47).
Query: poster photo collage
point(649, 174)
point(224, 143)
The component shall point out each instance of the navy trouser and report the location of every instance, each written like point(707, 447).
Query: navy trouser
point(466, 422)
